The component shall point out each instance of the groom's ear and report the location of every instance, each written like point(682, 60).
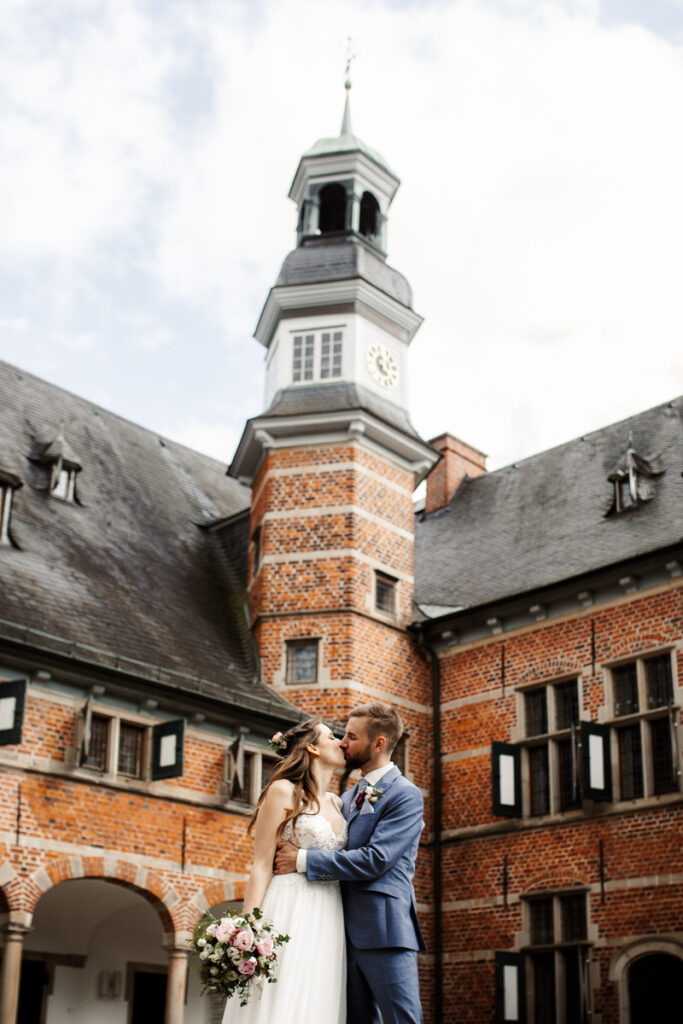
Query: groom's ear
point(380, 743)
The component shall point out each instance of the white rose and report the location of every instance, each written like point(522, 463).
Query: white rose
point(201, 942)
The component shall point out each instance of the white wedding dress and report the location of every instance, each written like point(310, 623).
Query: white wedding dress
point(311, 967)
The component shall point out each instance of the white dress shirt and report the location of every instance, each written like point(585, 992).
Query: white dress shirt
point(372, 778)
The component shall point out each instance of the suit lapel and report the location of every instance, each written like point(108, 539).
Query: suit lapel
point(384, 784)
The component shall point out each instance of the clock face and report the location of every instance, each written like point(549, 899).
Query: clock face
point(382, 365)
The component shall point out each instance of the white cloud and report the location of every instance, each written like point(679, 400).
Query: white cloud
point(146, 155)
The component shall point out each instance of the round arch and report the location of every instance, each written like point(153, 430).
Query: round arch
point(625, 958)
point(163, 898)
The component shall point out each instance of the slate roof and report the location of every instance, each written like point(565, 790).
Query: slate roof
point(319, 261)
point(301, 400)
point(130, 575)
point(543, 520)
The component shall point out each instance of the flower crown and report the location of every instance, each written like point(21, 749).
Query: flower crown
point(278, 743)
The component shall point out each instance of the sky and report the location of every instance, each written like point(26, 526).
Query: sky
point(146, 152)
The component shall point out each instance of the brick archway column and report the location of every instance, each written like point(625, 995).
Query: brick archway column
point(10, 974)
point(176, 986)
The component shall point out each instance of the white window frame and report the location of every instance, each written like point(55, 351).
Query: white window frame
point(67, 476)
point(317, 334)
point(113, 739)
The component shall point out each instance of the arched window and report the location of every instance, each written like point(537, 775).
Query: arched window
point(332, 209)
point(369, 216)
point(654, 984)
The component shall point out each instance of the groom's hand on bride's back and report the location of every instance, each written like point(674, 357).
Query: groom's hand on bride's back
point(285, 859)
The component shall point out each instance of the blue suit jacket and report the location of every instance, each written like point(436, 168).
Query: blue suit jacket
point(376, 869)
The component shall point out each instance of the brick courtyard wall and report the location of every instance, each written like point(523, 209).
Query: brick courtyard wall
point(59, 822)
point(641, 893)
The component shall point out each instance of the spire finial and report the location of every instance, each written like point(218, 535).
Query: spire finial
point(346, 119)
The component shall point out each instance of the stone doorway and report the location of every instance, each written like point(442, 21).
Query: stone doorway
point(655, 983)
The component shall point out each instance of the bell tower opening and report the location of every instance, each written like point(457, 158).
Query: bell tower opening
point(369, 217)
point(332, 209)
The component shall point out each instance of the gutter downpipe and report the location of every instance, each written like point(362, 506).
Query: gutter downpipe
point(437, 886)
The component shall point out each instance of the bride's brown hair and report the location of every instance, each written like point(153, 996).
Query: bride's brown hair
point(295, 766)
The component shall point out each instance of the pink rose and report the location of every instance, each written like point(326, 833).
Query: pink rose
point(264, 947)
point(225, 930)
point(247, 966)
point(243, 940)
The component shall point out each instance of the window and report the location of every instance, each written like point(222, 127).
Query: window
point(317, 356)
point(247, 771)
point(557, 958)
point(63, 483)
point(116, 746)
point(302, 661)
point(332, 215)
point(369, 216)
point(131, 750)
point(256, 541)
point(385, 593)
point(551, 715)
point(642, 701)
point(6, 494)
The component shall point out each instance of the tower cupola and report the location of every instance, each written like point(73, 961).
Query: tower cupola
point(342, 188)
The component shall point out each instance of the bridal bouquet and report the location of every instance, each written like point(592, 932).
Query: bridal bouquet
point(235, 952)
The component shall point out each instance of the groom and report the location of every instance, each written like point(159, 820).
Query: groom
point(384, 812)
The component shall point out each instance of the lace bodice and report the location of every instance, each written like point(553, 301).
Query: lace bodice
point(314, 832)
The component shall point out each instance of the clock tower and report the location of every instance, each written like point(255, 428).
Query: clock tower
point(334, 459)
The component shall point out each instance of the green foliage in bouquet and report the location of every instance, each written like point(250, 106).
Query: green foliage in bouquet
point(236, 952)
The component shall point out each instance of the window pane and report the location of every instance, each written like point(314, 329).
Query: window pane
point(566, 704)
point(625, 689)
point(540, 789)
point(660, 689)
point(662, 763)
point(541, 921)
point(267, 769)
point(99, 741)
point(296, 364)
point(302, 662)
point(536, 708)
point(573, 916)
point(544, 988)
point(571, 961)
point(308, 357)
point(385, 589)
point(630, 762)
point(130, 749)
point(569, 791)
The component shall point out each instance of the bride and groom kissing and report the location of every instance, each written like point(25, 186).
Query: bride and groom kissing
point(336, 875)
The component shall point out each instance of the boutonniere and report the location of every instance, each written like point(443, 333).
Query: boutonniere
point(369, 795)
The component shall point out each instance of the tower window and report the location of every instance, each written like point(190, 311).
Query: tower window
point(302, 661)
point(330, 354)
point(385, 593)
point(332, 209)
point(317, 356)
point(369, 216)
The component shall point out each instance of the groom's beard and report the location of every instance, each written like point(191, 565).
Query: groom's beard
point(359, 759)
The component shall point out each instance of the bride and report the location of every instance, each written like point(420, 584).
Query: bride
point(297, 807)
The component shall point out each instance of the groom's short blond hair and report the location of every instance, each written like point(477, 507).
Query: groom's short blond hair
point(383, 720)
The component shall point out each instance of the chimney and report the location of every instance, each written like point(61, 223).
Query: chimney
point(459, 460)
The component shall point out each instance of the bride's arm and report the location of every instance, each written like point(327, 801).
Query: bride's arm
point(273, 811)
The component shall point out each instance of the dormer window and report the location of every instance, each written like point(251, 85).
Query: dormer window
point(9, 483)
point(633, 479)
point(63, 482)
point(63, 466)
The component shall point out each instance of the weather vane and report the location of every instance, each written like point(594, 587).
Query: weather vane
point(350, 57)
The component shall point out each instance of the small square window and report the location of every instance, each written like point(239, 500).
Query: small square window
point(302, 661)
point(385, 593)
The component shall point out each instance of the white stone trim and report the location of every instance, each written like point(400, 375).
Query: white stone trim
point(315, 468)
point(338, 510)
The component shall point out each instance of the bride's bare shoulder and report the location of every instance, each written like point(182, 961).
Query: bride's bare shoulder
point(280, 791)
